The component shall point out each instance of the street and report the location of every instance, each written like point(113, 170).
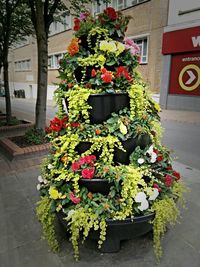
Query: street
point(181, 137)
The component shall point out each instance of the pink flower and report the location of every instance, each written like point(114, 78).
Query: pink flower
point(82, 161)
point(74, 199)
point(128, 41)
point(75, 166)
point(88, 173)
point(158, 187)
point(168, 180)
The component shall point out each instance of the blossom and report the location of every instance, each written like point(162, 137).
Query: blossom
point(112, 14)
point(141, 196)
point(70, 213)
point(83, 16)
point(101, 60)
point(74, 199)
point(108, 46)
point(75, 124)
point(53, 193)
point(58, 124)
point(38, 187)
point(140, 160)
point(153, 194)
point(177, 175)
point(150, 150)
point(75, 166)
point(40, 179)
point(107, 77)
point(50, 166)
point(88, 173)
point(120, 48)
point(168, 180)
point(160, 158)
point(93, 73)
point(101, 19)
point(157, 187)
point(76, 24)
point(73, 47)
point(144, 205)
point(122, 71)
point(153, 157)
point(133, 47)
point(128, 41)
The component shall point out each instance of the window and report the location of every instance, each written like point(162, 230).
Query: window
point(54, 61)
point(23, 65)
point(21, 43)
point(122, 4)
point(143, 45)
point(57, 26)
point(98, 8)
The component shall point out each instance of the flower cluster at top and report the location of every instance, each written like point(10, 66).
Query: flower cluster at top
point(99, 57)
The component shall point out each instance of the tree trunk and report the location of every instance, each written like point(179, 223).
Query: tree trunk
point(42, 45)
point(42, 48)
point(7, 91)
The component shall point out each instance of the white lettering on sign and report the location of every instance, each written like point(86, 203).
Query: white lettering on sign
point(196, 41)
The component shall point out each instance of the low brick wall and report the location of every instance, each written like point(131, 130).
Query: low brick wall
point(15, 130)
point(13, 151)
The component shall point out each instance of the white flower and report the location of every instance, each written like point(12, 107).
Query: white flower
point(45, 181)
point(150, 150)
point(154, 193)
point(153, 157)
point(144, 205)
point(50, 166)
point(40, 179)
point(38, 187)
point(140, 160)
point(140, 197)
point(70, 213)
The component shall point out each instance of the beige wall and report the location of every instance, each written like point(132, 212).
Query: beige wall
point(148, 19)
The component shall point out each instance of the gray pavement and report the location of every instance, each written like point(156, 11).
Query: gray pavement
point(21, 244)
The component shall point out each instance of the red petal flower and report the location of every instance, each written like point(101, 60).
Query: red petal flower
point(93, 73)
point(107, 77)
point(158, 187)
point(88, 173)
point(168, 180)
point(177, 175)
point(75, 166)
point(74, 199)
point(76, 24)
point(111, 13)
point(160, 158)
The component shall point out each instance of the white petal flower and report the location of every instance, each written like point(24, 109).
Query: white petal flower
point(40, 179)
point(70, 213)
point(50, 166)
point(153, 157)
point(154, 194)
point(38, 187)
point(150, 150)
point(140, 160)
point(140, 197)
point(45, 181)
point(144, 205)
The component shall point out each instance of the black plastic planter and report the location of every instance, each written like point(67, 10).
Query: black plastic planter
point(118, 230)
point(96, 185)
point(129, 145)
point(105, 104)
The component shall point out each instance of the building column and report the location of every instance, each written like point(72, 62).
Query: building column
point(165, 81)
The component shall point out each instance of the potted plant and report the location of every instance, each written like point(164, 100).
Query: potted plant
point(107, 171)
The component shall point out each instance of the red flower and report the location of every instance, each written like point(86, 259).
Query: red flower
point(48, 130)
point(88, 173)
point(107, 77)
point(82, 161)
point(158, 187)
point(169, 168)
point(168, 180)
point(177, 175)
point(101, 19)
point(93, 73)
point(57, 124)
point(75, 124)
point(117, 26)
point(75, 166)
point(103, 70)
point(76, 24)
point(122, 71)
point(160, 158)
point(112, 14)
point(74, 199)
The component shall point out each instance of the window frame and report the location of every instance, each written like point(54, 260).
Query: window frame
point(142, 37)
point(23, 65)
point(54, 57)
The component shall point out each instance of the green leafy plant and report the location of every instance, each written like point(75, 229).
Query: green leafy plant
point(35, 137)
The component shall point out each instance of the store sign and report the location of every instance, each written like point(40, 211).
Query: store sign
point(185, 74)
point(184, 40)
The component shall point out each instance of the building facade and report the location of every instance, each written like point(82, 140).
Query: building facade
point(149, 17)
point(180, 87)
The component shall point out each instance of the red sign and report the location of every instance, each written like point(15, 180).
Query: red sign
point(181, 41)
point(185, 74)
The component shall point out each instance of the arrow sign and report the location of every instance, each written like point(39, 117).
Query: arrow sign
point(192, 77)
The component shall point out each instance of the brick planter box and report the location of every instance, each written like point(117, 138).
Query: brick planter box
point(15, 130)
point(13, 151)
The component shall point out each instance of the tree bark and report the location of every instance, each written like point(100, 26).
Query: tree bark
point(7, 91)
point(42, 48)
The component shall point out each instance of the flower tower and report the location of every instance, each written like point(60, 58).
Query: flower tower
point(107, 175)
